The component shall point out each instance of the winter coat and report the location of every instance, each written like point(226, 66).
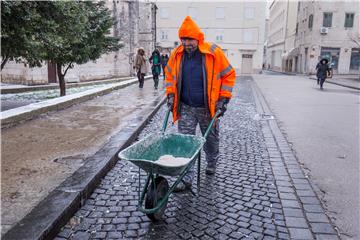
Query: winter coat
point(140, 63)
point(156, 63)
point(219, 75)
point(322, 70)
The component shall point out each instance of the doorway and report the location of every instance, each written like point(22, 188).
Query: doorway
point(247, 60)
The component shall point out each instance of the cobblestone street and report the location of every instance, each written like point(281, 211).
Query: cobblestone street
point(258, 192)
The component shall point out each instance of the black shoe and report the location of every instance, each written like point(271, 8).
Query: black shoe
point(210, 170)
point(181, 187)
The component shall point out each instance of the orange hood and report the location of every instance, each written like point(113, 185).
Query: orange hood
point(191, 30)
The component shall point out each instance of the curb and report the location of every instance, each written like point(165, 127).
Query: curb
point(53, 86)
point(52, 213)
point(14, 116)
point(343, 85)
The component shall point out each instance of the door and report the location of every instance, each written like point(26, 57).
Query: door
point(51, 72)
point(246, 67)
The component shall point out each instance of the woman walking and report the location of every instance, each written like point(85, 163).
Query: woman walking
point(140, 66)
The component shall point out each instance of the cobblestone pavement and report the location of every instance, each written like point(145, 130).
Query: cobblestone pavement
point(258, 191)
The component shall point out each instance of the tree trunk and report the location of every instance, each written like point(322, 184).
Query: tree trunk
point(61, 80)
point(4, 61)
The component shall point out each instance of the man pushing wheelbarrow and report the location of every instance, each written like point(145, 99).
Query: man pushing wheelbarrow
point(199, 82)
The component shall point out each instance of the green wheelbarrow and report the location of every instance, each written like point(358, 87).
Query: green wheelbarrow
point(146, 153)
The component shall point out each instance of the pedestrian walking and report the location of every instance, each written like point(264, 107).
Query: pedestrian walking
point(155, 60)
point(140, 66)
point(199, 82)
point(322, 72)
point(164, 60)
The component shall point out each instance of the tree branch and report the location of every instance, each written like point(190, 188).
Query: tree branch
point(69, 66)
point(4, 61)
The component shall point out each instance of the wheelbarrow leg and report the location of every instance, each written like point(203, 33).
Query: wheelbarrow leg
point(198, 173)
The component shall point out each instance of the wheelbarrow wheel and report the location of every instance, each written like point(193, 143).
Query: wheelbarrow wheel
point(155, 195)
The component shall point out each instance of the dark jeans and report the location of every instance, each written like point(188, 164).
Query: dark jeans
point(141, 77)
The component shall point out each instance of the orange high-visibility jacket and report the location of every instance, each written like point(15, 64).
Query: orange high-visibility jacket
point(218, 73)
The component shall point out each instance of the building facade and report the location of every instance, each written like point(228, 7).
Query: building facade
point(237, 27)
point(134, 26)
point(327, 29)
point(281, 35)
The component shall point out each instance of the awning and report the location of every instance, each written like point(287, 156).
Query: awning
point(291, 53)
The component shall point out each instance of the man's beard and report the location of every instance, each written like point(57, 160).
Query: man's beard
point(189, 48)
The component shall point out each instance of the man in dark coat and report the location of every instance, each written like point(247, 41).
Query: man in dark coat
point(322, 71)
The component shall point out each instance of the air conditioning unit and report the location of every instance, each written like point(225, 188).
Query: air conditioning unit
point(324, 30)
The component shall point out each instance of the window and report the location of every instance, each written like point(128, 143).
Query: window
point(297, 28)
point(311, 19)
point(349, 20)
point(220, 13)
point(249, 13)
point(327, 20)
point(164, 13)
point(219, 36)
point(163, 35)
point(192, 12)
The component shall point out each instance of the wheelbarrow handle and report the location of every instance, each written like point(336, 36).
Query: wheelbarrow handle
point(207, 130)
point(211, 124)
point(166, 121)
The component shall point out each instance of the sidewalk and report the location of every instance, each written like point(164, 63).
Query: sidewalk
point(50, 162)
point(350, 81)
point(258, 192)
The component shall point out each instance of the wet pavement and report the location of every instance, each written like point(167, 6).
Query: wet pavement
point(258, 192)
point(40, 154)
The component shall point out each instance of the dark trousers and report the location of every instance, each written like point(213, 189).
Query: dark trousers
point(156, 80)
point(163, 72)
point(141, 77)
point(322, 80)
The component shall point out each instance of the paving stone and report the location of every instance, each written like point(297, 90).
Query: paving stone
point(317, 217)
point(314, 208)
point(290, 203)
point(293, 212)
point(80, 235)
point(326, 237)
point(296, 222)
point(322, 228)
point(300, 233)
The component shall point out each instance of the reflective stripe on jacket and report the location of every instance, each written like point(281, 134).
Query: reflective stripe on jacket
point(220, 75)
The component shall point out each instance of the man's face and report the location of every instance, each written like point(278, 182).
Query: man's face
point(189, 44)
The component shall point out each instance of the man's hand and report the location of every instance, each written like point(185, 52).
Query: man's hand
point(221, 106)
point(170, 101)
